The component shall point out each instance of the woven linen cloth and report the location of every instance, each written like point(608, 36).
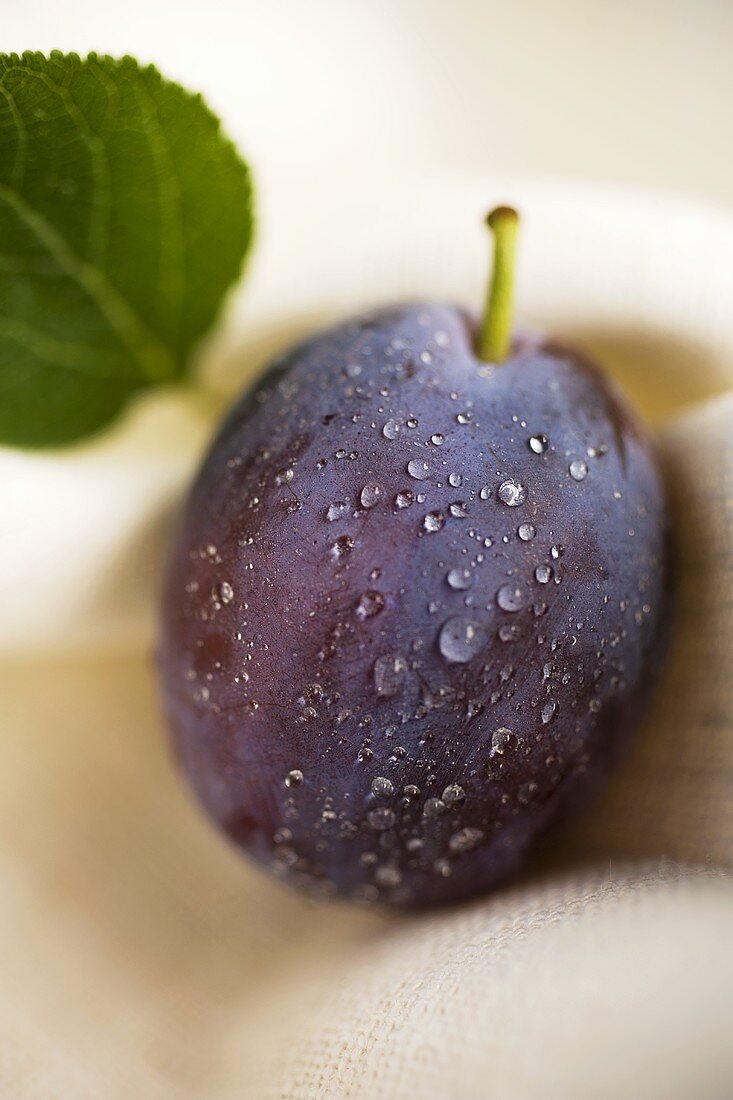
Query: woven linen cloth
point(141, 957)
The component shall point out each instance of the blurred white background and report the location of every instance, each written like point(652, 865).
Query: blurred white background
point(632, 91)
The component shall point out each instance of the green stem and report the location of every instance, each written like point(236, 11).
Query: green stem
point(495, 334)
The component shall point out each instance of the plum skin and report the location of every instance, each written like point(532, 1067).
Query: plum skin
point(414, 607)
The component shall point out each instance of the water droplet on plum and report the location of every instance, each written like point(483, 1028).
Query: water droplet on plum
point(453, 795)
point(433, 521)
point(418, 469)
point(336, 510)
point(389, 675)
point(382, 787)
point(465, 839)
point(370, 495)
point(459, 639)
point(460, 579)
point(510, 597)
point(512, 493)
point(370, 604)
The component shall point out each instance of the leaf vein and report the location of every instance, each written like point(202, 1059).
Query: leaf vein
point(152, 357)
point(98, 221)
point(67, 354)
point(171, 282)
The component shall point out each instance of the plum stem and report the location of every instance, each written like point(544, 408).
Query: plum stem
point(495, 334)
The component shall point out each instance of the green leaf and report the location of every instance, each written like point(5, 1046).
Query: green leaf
point(125, 215)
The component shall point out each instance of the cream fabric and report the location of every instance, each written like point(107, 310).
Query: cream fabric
point(140, 957)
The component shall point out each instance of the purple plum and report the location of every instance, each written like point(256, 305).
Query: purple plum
point(415, 604)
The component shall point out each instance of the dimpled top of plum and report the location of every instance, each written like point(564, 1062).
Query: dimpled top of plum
point(413, 606)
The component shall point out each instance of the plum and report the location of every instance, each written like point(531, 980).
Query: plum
point(416, 601)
